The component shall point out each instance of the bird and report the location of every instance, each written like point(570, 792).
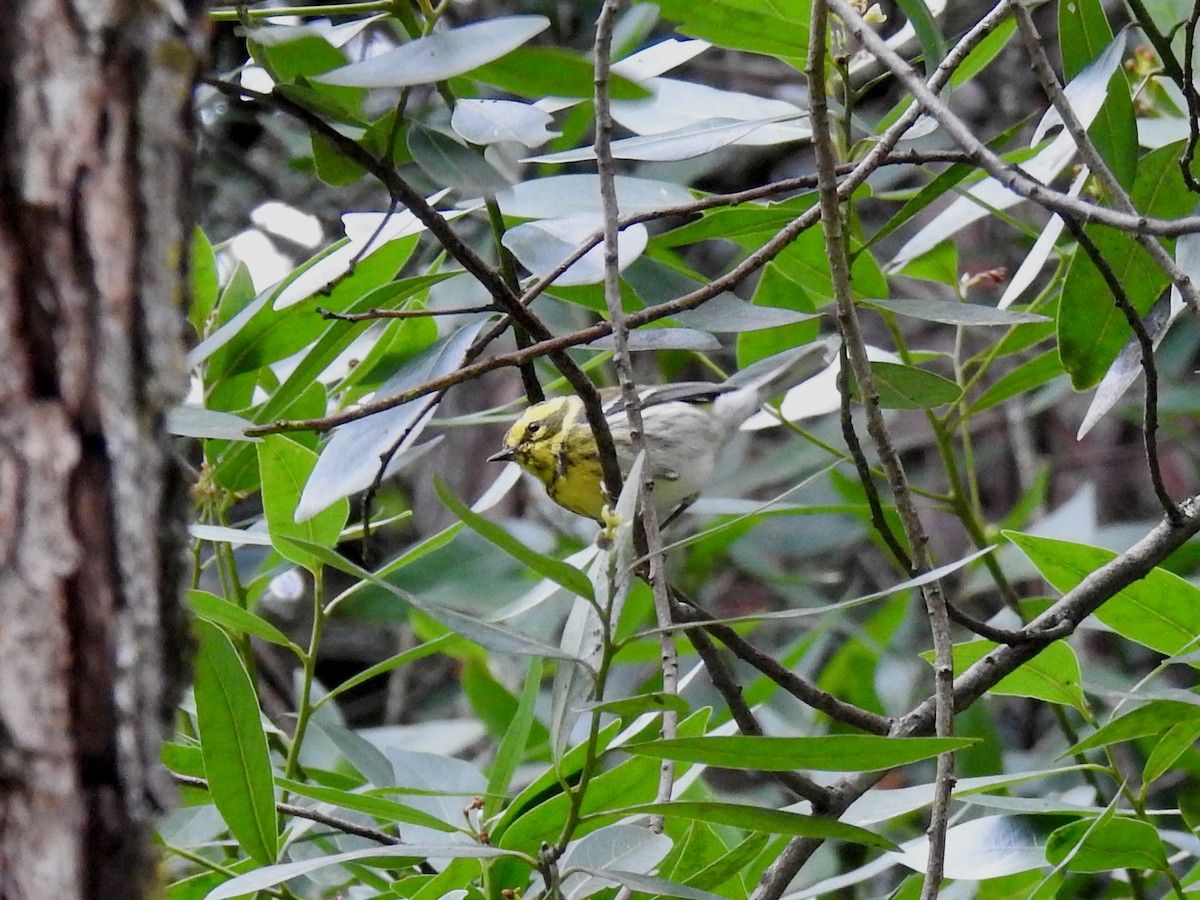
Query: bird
point(686, 426)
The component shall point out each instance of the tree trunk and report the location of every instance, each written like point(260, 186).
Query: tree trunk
point(95, 149)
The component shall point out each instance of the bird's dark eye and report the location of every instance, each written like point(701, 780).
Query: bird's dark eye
point(533, 428)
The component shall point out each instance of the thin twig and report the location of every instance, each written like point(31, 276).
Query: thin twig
point(1149, 370)
point(400, 190)
point(371, 315)
point(651, 532)
point(914, 530)
point(508, 269)
point(1061, 618)
point(723, 679)
point(302, 812)
point(1100, 170)
point(979, 154)
point(863, 468)
point(1000, 635)
point(1181, 77)
point(801, 688)
point(1187, 84)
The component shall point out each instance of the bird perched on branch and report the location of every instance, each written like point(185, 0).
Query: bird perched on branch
point(686, 424)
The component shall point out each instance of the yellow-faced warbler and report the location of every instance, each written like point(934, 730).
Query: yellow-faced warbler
point(686, 425)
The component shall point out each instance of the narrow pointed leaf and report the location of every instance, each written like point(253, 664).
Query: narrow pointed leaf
point(556, 570)
point(440, 55)
point(237, 762)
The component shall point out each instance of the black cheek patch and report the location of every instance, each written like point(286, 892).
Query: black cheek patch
point(551, 424)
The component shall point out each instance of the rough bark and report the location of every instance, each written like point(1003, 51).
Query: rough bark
point(94, 157)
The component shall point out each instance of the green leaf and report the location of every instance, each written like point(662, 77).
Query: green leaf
point(632, 781)
point(1084, 33)
point(1118, 843)
point(202, 280)
point(391, 857)
point(949, 312)
point(307, 54)
point(332, 165)
point(493, 637)
point(1091, 330)
point(1030, 374)
point(285, 467)
point(440, 55)
point(778, 28)
point(757, 818)
point(1160, 610)
point(556, 570)
point(843, 753)
point(198, 422)
point(725, 867)
point(926, 27)
point(275, 334)
point(737, 222)
point(629, 708)
point(1144, 720)
point(538, 72)
point(1053, 675)
point(776, 290)
point(511, 752)
point(983, 53)
point(546, 784)
point(907, 387)
point(806, 262)
point(183, 759)
point(221, 612)
point(237, 761)
point(449, 162)
point(1176, 741)
point(379, 807)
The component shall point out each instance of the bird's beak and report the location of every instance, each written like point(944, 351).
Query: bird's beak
point(505, 455)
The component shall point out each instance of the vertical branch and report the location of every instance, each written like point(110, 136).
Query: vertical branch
point(1187, 84)
point(612, 295)
point(1149, 370)
point(856, 352)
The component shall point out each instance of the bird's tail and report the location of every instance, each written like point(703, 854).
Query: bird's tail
point(759, 382)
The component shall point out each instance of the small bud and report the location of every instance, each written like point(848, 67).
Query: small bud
point(987, 278)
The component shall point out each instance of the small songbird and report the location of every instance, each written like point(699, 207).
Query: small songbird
point(686, 424)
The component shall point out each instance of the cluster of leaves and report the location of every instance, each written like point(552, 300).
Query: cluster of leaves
point(557, 647)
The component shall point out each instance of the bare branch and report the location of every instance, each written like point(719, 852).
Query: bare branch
point(1011, 176)
point(1095, 162)
point(1149, 370)
point(856, 354)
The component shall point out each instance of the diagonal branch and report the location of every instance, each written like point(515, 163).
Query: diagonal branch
point(1095, 162)
point(724, 680)
point(914, 529)
point(1011, 176)
point(1149, 370)
point(1061, 619)
point(400, 190)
